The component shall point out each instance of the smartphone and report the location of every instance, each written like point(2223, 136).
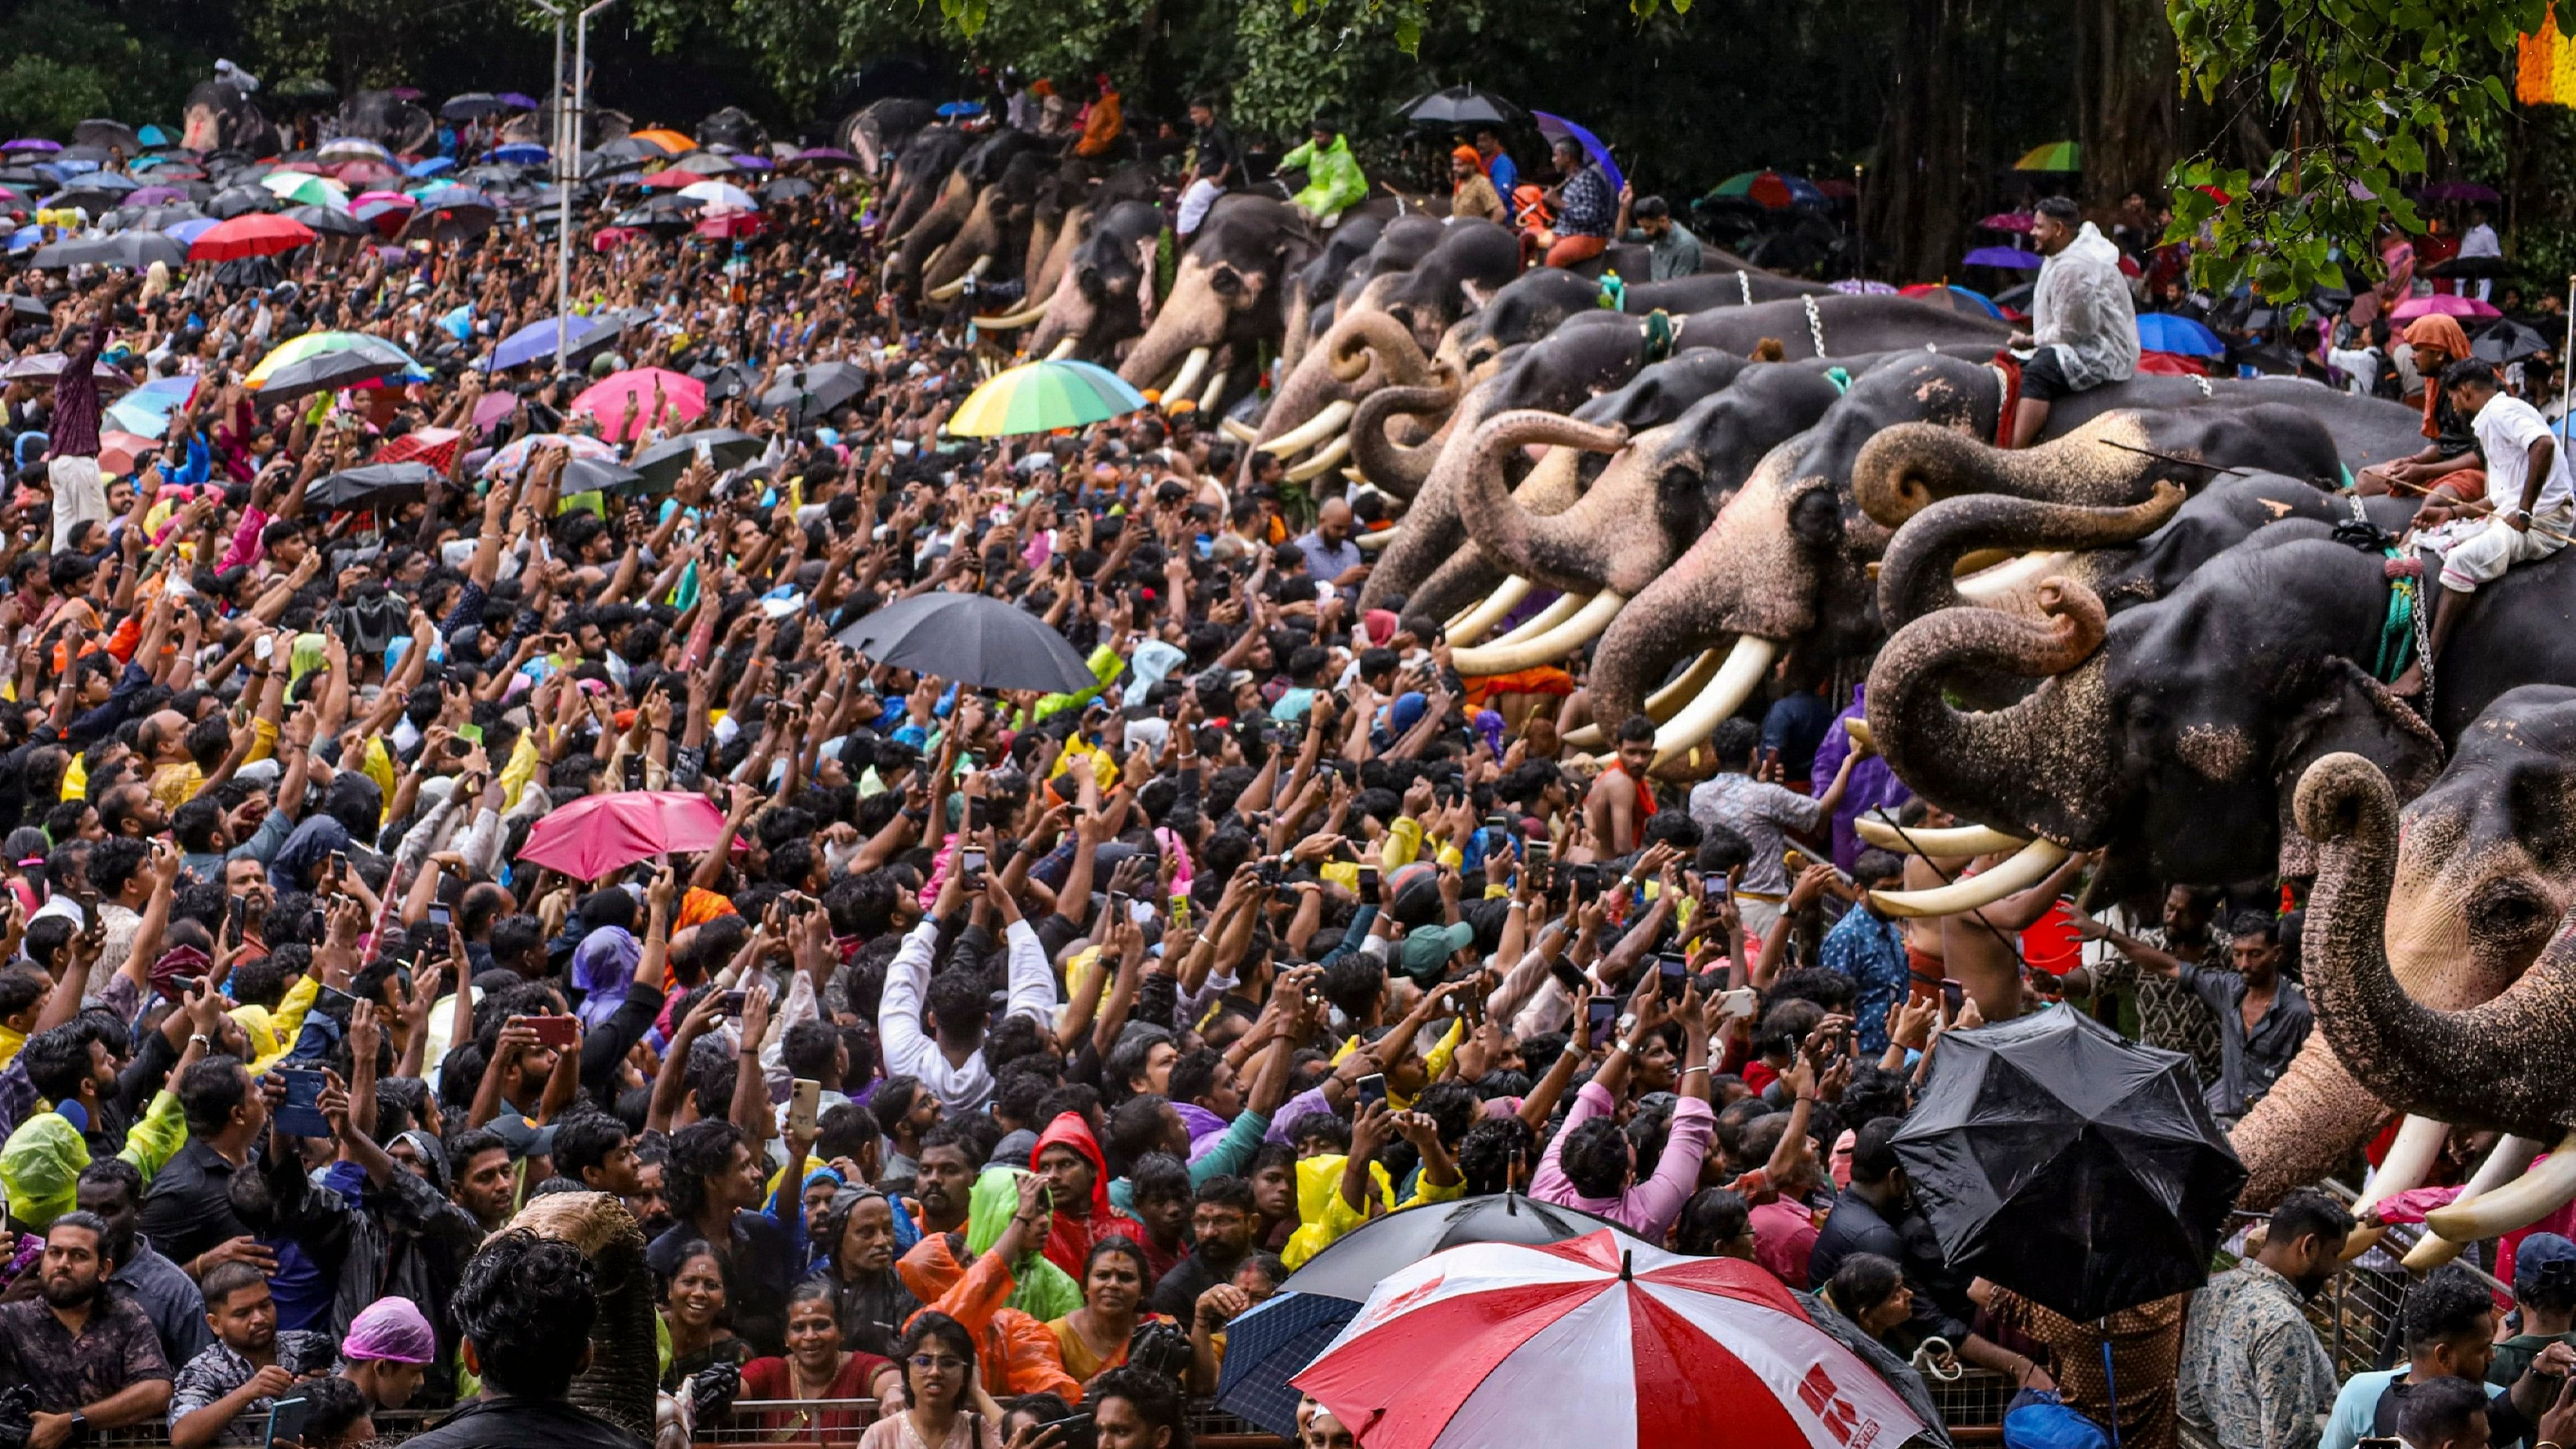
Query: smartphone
point(1536, 854)
point(559, 1032)
point(802, 1107)
point(186, 985)
point(970, 868)
point(1074, 1431)
point(263, 649)
point(1586, 880)
point(1269, 872)
point(633, 771)
point(301, 1116)
point(1368, 884)
point(471, 734)
point(1566, 975)
point(439, 915)
point(975, 818)
point(286, 1418)
point(1181, 912)
point(1743, 1002)
point(339, 863)
point(1604, 1012)
point(733, 1003)
point(1372, 1088)
point(458, 749)
point(1675, 970)
point(335, 1003)
point(236, 918)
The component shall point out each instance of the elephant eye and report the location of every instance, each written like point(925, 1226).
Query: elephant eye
point(1224, 280)
point(1678, 479)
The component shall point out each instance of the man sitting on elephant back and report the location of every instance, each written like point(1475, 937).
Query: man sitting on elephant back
point(2083, 328)
point(1334, 183)
point(2529, 485)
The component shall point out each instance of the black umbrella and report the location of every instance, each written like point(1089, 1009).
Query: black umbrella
point(972, 639)
point(106, 133)
point(241, 201)
point(329, 371)
point(1359, 1258)
point(1460, 106)
point(159, 218)
point(329, 221)
point(662, 464)
point(597, 475)
point(373, 486)
point(2486, 266)
point(96, 200)
point(26, 306)
point(2505, 340)
point(807, 393)
point(787, 188)
point(472, 105)
point(2078, 1169)
point(731, 380)
point(132, 250)
point(459, 221)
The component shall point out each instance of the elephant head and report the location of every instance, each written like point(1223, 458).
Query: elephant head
point(1524, 309)
point(1226, 290)
point(877, 130)
point(733, 126)
point(1402, 468)
point(993, 229)
point(219, 116)
point(1106, 293)
point(387, 119)
point(1312, 288)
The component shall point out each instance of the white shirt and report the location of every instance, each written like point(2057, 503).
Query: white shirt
point(911, 1051)
point(2506, 428)
point(2480, 241)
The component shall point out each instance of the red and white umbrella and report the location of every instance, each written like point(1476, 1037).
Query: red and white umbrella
point(1601, 1341)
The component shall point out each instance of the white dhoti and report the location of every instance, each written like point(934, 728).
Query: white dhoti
point(1195, 202)
point(79, 496)
point(2483, 558)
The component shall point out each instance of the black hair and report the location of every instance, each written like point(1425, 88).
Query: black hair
point(1713, 1218)
point(2306, 1212)
point(698, 1151)
point(1863, 1282)
point(1597, 1159)
point(2440, 1411)
point(2060, 208)
point(1636, 729)
point(209, 1092)
point(1156, 1399)
point(2447, 1305)
point(332, 1404)
point(2468, 370)
point(1874, 1151)
point(527, 1303)
point(926, 1325)
point(586, 1140)
point(57, 1060)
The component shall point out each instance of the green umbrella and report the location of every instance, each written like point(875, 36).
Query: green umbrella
point(1040, 397)
point(2055, 156)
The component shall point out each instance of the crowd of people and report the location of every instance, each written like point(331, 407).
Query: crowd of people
point(1007, 1047)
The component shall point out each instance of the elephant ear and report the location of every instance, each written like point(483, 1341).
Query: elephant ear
point(2342, 708)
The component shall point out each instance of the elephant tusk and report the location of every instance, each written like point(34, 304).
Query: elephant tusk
point(1477, 618)
point(1660, 704)
point(1736, 680)
point(1215, 391)
point(1062, 349)
point(1314, 430)
point(2012, 576)
point(1012, 321)
point(2548, 1186)
point(1238, 429)
point(1191, 369)
point(1970, 893)
point(950, 290)
point(1953, 841)
point(1975, 559)
point(2410, 1159)
point(1559, 609)
point(932, 260)
point(1547, 648)
point(1373, 542)
point(2504, 1163)
point(1322, 463)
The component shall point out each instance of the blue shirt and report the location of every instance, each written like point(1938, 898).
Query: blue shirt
point(1871, 951)
point(1503, 174)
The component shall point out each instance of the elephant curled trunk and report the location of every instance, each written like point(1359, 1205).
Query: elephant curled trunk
point(1545, 548)
point(1906, 468)
point(1392, 466)
point(2415, 1058)
point(1360, 334)
point(1916, 576)
point(2043, 764)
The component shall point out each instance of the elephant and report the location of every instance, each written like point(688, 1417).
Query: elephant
point(733, 126)
point(984, 163)
point(1105, 295)
point(1312, 288)
point(921, 172)
point(995, 235)
point(877, 130)
point(1539, 299)
point(220, 116)
point(388, 120)
point(2422, 926)
point(1226, 296)
point(1069, 202)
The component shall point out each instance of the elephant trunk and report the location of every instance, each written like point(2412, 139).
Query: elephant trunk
point(1392, 466)
point(2314, 1118)
point(2109, 461)
point(1543, 548)
point(1357, 336)
point(2441, 1064)
point(1916, 575)
point(2043, 764)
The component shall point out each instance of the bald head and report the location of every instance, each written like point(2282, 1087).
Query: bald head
point(1333, 520)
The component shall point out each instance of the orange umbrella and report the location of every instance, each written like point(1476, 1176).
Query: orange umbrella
point(666, 138)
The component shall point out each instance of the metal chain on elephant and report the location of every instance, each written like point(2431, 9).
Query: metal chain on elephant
point(2205, 389)
point(1815, 323)
point(1744, 283)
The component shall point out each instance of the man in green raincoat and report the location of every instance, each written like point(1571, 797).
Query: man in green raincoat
point(1333, 180)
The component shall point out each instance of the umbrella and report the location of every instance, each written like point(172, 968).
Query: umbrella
point(596, 475)
point(516, 101)
point(2055, 156)
point(1558, 128)
point(1271, 1343)
point(1604, 1341)
point(662, 464)
point(331, 371)
point(433, 446)
point(453, 221)
point(725, 223)
point(32, 144)
point(471, 105)
point(48, 366)
point(824, 156)
point(372, 486)
point(514, 457)
point(1956, 298)
point(973, 639)
point(961, 108)
point(598, 834)
point(1352, 1265)
point(314, 344)
point(808, 393)
point(240, 201)
point(706, 163)
point(94, 200)
point(718, 195)
point(1459, 106)
point(2016, 221)
point(671, 142)
point(670, 178)
point(2440, 303)
point(2013, 258)
point(2485, 266)
point(432, 166)
point(1770, 189)
point(322, 219)
point(131, 250)
point(537, 340)
point(107, 133)
point(251, 236)
point(2078, 1169)
point(1039, 397)
point(680, 397)
point(521, 153)
point(751, 161)
point(2165, 332)
point(147, 409)
point(2508, 341)
point(787, 188)
point(154, 195)
point(2456, 191)
point(190, 229)
point(118, 453)
point(352, 148)
point(306, 190)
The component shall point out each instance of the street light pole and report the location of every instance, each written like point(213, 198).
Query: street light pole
point(563, 177)
point(569, 169)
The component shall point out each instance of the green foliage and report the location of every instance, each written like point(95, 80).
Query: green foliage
point(68, 61)
point(2365, 89)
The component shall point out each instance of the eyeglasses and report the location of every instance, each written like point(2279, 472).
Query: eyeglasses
point(938, 1362)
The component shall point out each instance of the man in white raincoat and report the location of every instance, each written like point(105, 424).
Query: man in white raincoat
point(2083, 327)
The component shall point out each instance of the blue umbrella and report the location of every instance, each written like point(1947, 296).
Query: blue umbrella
point(519, 153)
point(431, 167)
point(2165, 332)
point(1558, 127)
point(537, 339)
point(193, 228)
point(153, 136)
point(2013, 257)
point(147, 409)
point(962, 108)
point(1271, 1343)
point(25, 238)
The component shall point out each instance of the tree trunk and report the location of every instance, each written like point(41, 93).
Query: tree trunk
point(1912, 202)
point(2125, 95)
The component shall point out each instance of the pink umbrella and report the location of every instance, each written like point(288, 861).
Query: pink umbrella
point(2007, 221)
point(602, 833)
point(610, 238)
point(492, 407)
point(389, 198)
point(2442, 304)
point(683, 399)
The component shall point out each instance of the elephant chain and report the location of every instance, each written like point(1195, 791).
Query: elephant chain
point(1815, 323)
point(1744, 283)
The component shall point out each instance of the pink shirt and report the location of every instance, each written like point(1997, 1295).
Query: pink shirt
point(1784, 1233)
point(1647, 1208)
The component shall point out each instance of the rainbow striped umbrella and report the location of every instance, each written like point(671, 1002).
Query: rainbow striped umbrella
point(1039, 397)
point(313, 344)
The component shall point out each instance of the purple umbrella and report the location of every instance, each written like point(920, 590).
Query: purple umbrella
point(750, 161)
point(2012, 257)
point(2457, 191)
point(154, 195)
point(31, 143)
point(825, 153)
point(1558, 128)
point(406, 93)
point(513, 98)
point(1864, 287)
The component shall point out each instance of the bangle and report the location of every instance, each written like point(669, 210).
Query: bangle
point(1686, 1071)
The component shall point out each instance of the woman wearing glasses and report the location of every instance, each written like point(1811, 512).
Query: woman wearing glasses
point(946, 1406)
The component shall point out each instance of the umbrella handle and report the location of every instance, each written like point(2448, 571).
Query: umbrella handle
point(1935, 1358)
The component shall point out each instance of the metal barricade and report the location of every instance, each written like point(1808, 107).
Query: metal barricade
point(813, 1423)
